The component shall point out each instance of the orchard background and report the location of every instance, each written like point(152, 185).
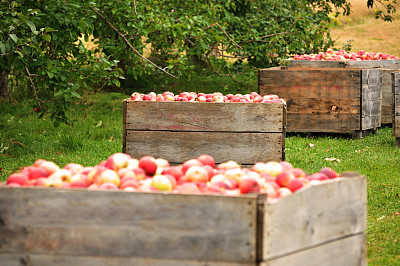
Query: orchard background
point(50, 78)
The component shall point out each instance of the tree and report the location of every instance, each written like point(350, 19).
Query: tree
point(41, 42)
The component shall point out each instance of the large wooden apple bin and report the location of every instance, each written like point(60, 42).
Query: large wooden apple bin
point(323, 224)
point(396, 107)
point(327, 100)
point(387, 66)
point(178, 131)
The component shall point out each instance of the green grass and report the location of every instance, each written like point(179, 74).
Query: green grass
point(97, 133)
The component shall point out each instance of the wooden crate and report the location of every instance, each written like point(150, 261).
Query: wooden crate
point(388, 66)
point(396, 107)
point(327, 100)
point(178, 131)
point(323, 224)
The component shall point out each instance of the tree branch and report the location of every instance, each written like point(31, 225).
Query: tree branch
point(34, 89)
point(129, 44)
point(216, 24)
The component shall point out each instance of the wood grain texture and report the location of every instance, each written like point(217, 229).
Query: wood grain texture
point(197, 116)
point(343, 64)
point(65, 260)
point(79, 223)
point(396, 105)
point(350, 250)
point(177, 147)
point(322, 100)
point(332, 210)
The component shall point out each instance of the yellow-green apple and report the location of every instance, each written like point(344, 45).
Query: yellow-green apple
point(162, 183)
point(55, 180)
point(235, 173)
point(206, 159)
point(148, 164)
point(273, 168)
point(117, 161)
point(284, 178)
point(139, 173)
point(109, 176)
point(94, 174)
point(126, 172)
point(248, 185)
point(217, 178)
point(228, 165)
point(81, 178)
point(196, 174)
point(18, 178)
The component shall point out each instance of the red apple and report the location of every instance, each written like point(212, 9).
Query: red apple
point(175, 171)
point(33, 172)
point(49, 167)
point(206, 159)
point(248, 185)
point(148, 164)
point(117, 161)
point(18, 178)
point(284, 178)
point(78, 184)
point(329, 172)
point(295, 184)
point(318, 176)
point(74, 168)
point(108, 186)
point(284, 192)
point(190, 163)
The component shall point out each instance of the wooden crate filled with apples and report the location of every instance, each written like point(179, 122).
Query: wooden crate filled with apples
point(359, 60)
point(245, 128)
point(128, 211)
point(396, 107)
point(327, 100)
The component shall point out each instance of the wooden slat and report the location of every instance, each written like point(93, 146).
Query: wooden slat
point(315, 215)
point(332, 123)
point(197, 116)
point(343, 64)
point(387, 98)
point(177, 147)
point(338, 106)
point(124, 113)
point(65, 260)
point(79, 223)
point(347, 251)
point(396, 105)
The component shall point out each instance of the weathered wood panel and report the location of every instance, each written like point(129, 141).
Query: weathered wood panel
point(122, 224)
point(197, 116)
point(351, 250)
point(342, 64)
point(321, 100)
point(396, 106)
point(314, 216)
point(177, 147)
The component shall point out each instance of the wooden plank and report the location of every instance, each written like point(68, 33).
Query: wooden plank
point(78, 223)
point(396, 104)
point(351, 250)
point(387, 97)
point(67, 260)
point(177, 147)
point(198, 116)
point(336, 106)
point(344, 123)
point(332, 210)
point(342, 64)
point(124, 115)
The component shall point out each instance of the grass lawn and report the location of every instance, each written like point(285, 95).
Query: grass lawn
point(97, 133)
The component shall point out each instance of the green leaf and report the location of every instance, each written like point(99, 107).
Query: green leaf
point(32, 26)
point(2, 48)
point(47, 37)
point(99, 124)
point(14, 37)
point(19, 53)
point(75, 94)
point(50, 74)
point(116, 82)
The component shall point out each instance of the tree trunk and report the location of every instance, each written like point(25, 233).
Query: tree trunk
point(4, 89)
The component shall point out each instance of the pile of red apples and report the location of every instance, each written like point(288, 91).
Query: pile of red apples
point(342, 55)
point(218, 97)
point(195, 176)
